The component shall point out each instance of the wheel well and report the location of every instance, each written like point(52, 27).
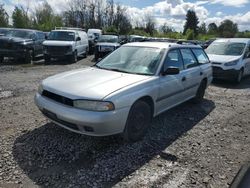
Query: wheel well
point(204, 80)
point(149, 101)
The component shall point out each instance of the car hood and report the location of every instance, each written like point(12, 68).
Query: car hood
point(107, 44)
point(14, 39)
point(89, 83)
point(222, 58)
point(57, 43)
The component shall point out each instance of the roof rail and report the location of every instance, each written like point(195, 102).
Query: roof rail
point(69, 28)
point(187, 42)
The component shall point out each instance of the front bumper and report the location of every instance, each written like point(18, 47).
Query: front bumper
point(13, 53)
point(219, 73)
point(82, 121)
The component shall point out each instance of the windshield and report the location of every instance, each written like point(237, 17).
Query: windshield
point(20, 34)
point(226, 48)
point(133, 59)
point(62, 36)
point(108, 38)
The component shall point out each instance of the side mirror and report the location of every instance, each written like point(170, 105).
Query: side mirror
point(171, 71)
point(78, 38)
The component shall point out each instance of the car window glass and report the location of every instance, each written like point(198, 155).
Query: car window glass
point(188, 58)
point(173, 59)
point(247, 52)
point(201, 56)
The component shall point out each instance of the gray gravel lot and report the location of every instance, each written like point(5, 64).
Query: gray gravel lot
point(192, 145)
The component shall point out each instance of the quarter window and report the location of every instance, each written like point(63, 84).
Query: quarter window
point(173, 59)
point(188, 58)
point(201, 56)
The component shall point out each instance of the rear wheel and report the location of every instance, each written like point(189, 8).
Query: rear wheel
point(138, 122)
point(200, 92)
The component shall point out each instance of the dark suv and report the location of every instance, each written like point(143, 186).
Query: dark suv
point(22, 44)
point(105, 45)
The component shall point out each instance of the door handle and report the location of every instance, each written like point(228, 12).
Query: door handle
point(201, 73)
point(183, 79)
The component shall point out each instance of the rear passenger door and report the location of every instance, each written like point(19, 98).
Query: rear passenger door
point(170, 86)
point(192, 73)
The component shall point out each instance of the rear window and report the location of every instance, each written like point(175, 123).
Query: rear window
point(201, 56)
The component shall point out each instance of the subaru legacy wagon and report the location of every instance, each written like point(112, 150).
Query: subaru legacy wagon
point(125, 90)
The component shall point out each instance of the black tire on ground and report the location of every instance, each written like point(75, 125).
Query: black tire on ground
point(239, 76)
point(47, 60)
point(73, 57)
point(29, 57)
point(86, 53)
point(1, 59)
point(200, 92)
point(138, 121)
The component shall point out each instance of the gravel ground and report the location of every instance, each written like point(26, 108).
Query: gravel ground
point(202, 145)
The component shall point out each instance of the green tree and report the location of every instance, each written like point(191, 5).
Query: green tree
point(4, 17)
point(45, 19)
point(192, 22)
point(228, 29)
point(166, 29)
point(150, 25)
point(212, 28)
point(190, 34)
point(20, 18)
point(203, 28)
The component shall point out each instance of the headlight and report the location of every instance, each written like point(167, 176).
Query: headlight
point(40, 89)
point(232, 63)
point(94, 105)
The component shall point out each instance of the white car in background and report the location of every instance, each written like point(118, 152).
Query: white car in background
point(66, 43)
point(230, 58)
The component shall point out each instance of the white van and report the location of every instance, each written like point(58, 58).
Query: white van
point(230, 58)
point(66, 43)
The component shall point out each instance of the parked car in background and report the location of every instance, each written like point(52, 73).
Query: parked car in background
point(65, 43)
point(126, 89)
point(22, 44)
point(137, 38)
point(93, 36)
point(3, 31)
point(105, 45)
point(207, 43)
point(230, 58)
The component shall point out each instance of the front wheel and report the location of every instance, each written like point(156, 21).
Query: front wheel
point(1, 59)
point(200, 92)
point(73, 58)
point(239, 77)
point(138, 122)
point(29, 57)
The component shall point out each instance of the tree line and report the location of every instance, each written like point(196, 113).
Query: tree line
point(113, 17)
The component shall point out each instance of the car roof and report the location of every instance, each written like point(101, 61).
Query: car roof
point(161, 45)
point(65, 30)
point(242, 40)
point(17, 29)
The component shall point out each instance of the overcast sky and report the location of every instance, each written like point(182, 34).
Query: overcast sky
point(170, 11)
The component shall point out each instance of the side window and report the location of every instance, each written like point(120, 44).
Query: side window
point(173, 59)
point(201, 56)
point(41, 36)
point(247, 52)
point(188, 58)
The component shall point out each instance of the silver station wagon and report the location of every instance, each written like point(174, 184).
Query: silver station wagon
point(125, 90)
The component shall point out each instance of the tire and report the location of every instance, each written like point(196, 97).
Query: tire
point(200, 92)
point(47, 60)
point(29, 57)
point(1, 59)
point(138, 122)
point(86, 53)
point(73, 57)
point(239, 76)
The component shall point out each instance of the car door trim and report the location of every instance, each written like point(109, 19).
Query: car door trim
point(176, 92)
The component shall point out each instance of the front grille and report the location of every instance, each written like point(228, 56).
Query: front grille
point(216, 63)
point(57, 50)
point(58, 98)
point(53, 117)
